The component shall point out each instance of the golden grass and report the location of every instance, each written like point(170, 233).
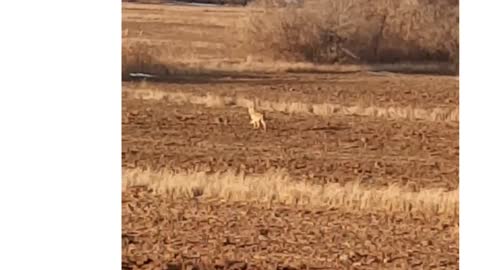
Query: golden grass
point(275, 187)
point(140, 56)
point(325, 109)
point(212, 40)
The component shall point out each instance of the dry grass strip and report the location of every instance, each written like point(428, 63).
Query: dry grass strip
point(325, 109)
point(276, 187)
point(142, 55)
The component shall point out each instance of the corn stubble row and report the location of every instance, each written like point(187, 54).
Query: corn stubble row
point(210, 234)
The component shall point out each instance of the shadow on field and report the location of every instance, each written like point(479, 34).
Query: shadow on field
point(204, 78)
point(267, 78)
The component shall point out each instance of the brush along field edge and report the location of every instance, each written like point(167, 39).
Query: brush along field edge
point(141, 55)
point(325, 109)
point(276, 187)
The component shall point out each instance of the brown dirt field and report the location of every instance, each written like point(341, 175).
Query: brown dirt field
point(160, 234)
point(198, 123)
point(418, 155)
point(325, 151)
point(158, 133)
point(364, 89)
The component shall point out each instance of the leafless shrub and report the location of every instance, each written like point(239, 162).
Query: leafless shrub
point(332, 31)
point(140, 57)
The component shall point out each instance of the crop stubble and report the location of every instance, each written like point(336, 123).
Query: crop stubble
point(420, 154)
point(208, 233)
point(204, 233)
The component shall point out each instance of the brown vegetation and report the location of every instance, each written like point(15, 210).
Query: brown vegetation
point(353, 31)
point(291, 107)
point(357, 169)
point(386, 35)
point(177, 132)
point(276, 187)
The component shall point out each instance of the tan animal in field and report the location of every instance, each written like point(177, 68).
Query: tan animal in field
point(256, 117)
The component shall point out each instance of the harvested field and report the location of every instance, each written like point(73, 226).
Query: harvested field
point(420, 93)
point(322, 148)
point(212, 234)
point(356, 170)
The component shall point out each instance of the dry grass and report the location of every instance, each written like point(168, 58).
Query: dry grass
point(141, 56)
point(212, 40)
point(325, 109)
point(276, 187)
point(353, 31)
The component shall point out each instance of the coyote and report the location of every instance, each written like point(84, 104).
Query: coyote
point(257, 118)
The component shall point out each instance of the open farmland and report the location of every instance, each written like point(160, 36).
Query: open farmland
point(357, 169)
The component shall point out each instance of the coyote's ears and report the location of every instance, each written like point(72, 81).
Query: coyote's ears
point(256, 102)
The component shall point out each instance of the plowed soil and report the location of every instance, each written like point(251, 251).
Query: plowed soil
point(159, 234)
point(324, 149)
point(207, 233)
point(365, 89)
